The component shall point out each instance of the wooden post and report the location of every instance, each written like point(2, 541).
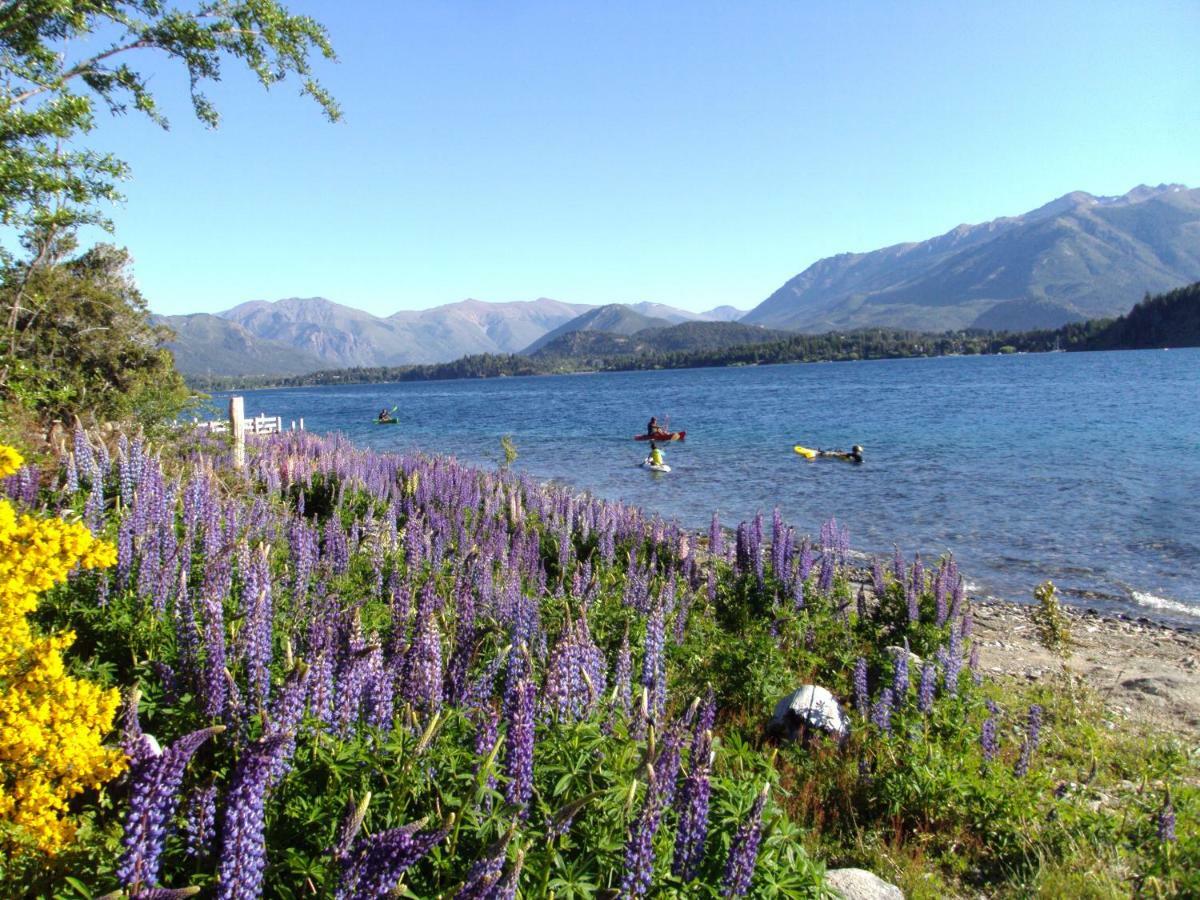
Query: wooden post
point(237, 419)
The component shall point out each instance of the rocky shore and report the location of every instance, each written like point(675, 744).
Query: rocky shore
point(1146, 672)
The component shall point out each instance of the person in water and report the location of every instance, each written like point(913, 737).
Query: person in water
point(855, 454)
point(385, 415)
point(652, 427)
point(656, 457)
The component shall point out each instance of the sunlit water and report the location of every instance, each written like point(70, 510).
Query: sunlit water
point(1080, 467)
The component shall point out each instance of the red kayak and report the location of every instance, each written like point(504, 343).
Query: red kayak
point(663, 436)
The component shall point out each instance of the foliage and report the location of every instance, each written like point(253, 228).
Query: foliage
point(508, 448)
point(1166, 320)
point(1053, 626)
point(49, 96)
point(51, 724)
point(494, 680)
point(82, 343)
point(75, 335)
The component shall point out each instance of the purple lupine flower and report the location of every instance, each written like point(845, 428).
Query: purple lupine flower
point(881, 712)
point(743, 852)
point(1166, 821)
point(1035, 725)
point(159, 893)
point(243, 849)
point(200, 821)
point(154, 781)
point(623, 675)
point(653, 664)
point(83, 453)
point(989, 740)
point(953, 663)
point(518, 746)
point(487, 726)
point(900, 681)
point(576, 675)
point(777, 543)
point(421, 682)
point(506, 887)
point(939, 595)
point(825, 580)
point(378, 861)
point(861, 603)
point(927, 688)
point(877, 581)
point(639, 847)
point(806, 559)
point(898, 569)
point(693, 809)
point(666, 765)
point(957, 597)
point(481, 878)
point(256, 631)
point(1021, 768)
point(965, 624)
point(72, 483)
point(861, 695)
point(742, 547)
point(286, 712)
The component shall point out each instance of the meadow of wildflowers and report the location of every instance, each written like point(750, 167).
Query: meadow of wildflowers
point(351, 674)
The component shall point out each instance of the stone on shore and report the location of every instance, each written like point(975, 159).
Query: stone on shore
point(859, 884)
point(810, 706)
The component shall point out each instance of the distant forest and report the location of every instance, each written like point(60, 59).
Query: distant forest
point(1166, 320)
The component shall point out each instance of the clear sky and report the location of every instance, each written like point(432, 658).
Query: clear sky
point(694, 154)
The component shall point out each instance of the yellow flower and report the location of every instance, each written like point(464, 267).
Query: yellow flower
point(51, 724)
point(10, 461)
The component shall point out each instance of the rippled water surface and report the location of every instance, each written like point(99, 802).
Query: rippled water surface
point(1081, 467)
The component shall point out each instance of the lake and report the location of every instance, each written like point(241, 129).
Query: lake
point(1079, 467)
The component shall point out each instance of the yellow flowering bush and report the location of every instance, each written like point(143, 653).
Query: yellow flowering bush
point(51, 724)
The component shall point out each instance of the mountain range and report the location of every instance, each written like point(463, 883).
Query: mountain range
point(1075, 258)
point(298, 335)
point(1078, 257)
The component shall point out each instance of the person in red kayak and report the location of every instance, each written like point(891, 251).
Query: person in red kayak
point(652, 427)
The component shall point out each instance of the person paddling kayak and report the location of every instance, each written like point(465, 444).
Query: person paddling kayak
point(656, 457)
point(652, 427)
point(385, 415)
point(855, 454)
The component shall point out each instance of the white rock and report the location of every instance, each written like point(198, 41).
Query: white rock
point(811, 705)
point(859, 884)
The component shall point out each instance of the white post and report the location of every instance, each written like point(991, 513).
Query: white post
point(237, 418)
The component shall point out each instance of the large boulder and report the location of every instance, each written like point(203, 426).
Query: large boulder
point(809, 707)
point(859, 884)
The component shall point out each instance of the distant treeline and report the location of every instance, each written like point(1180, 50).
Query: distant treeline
point(1167, 320)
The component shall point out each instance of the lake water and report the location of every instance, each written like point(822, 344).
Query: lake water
point(1079, 467)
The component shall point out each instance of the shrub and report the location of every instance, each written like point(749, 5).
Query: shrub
point(51, 724)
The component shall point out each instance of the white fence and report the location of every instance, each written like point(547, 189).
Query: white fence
point(260, 424)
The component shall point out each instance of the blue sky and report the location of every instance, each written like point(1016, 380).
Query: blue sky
point(694, 154)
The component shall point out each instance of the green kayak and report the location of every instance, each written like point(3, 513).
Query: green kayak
point(387, 421)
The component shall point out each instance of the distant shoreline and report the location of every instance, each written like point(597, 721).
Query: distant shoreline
point(260, 383)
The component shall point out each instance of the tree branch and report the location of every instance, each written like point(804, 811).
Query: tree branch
point(82, 68)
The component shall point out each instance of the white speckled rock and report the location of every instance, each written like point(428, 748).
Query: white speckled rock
point(812, 706)
point(859, 884)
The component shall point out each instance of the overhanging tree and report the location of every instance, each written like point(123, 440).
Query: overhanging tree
point(63, 60)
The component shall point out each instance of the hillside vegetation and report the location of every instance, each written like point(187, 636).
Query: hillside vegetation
point(347, 673)
point(1169, 320)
